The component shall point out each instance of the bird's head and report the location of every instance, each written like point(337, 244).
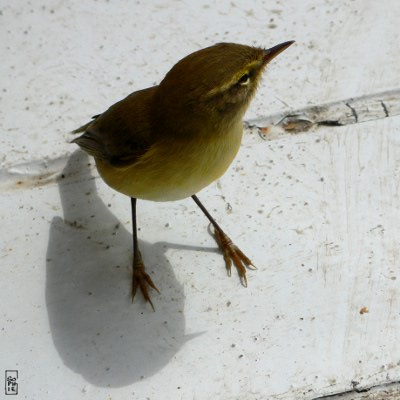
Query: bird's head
point(214, 84)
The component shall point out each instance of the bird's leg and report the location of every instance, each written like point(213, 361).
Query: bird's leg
point(230, 251)
point(140, 278)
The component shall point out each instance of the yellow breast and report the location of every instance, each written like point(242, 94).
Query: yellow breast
point(173, 169)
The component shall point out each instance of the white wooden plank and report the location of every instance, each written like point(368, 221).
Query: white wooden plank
point(64, 61)
point(318, 214)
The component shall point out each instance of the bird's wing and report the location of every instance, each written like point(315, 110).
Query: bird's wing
point(121, 134)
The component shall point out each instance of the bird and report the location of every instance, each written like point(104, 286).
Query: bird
point(169, 141)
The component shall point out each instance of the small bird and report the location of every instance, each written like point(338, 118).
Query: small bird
point(169, 141)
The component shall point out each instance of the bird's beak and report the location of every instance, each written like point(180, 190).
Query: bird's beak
point(274, 51)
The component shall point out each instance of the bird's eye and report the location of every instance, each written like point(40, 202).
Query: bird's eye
point(244, 79)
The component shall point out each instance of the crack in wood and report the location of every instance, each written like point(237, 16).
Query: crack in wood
point(353, 111)
point(329, 123)
point(386, 389)
point(42, 172)
point(340, 113)
point(385, 109)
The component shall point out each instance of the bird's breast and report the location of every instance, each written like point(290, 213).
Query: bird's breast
point(173, 169)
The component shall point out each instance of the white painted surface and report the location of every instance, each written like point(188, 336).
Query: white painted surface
point(317, 212)
point(63, 61)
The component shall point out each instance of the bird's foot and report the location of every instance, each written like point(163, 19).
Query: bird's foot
point(232, 253)
point(141, 279)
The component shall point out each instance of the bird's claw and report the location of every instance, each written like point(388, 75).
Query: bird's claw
point(142, 280)
point(232, 253)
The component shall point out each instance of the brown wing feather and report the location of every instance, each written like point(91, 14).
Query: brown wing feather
point(123, 133)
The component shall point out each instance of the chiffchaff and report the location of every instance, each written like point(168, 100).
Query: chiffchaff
point(169, 141)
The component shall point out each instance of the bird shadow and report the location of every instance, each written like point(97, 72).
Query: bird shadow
point(96, 329)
